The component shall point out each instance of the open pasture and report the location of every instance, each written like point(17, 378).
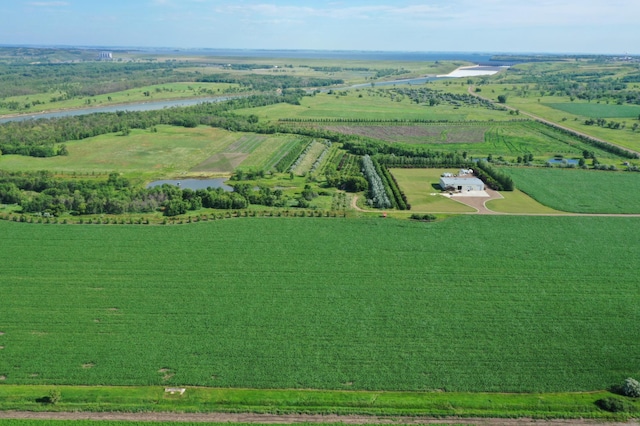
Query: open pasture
point(470, 303)
point(579, 191)
point(168, 152)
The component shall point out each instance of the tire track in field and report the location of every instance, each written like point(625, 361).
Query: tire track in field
point(295, 418)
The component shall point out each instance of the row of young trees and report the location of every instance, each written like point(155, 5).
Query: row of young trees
point(493, 178)
point(378, 196)
point(397, 197)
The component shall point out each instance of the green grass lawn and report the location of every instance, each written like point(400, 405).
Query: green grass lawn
point(505, 304)
point(418, 186)
point(520, 203)
point(580, 191)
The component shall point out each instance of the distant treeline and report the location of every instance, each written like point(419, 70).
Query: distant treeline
point(87, 78)
point(585, 85)
point(270, 82)
point(73, 80)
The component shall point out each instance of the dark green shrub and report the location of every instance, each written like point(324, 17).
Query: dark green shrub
point(615, 405)
point(423, 217)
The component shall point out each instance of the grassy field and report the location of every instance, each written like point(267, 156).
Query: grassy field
point(154, 399)
point(518, 202)
point(580, 191)
point(466, 304)
point(370, 104)
point(169, 152)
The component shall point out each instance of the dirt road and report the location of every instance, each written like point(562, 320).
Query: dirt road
point(294, 418)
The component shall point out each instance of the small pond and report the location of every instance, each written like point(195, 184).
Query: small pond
point(563, 161)
point(195, 183)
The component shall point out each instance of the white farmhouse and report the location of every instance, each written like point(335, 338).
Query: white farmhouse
point(461, 184)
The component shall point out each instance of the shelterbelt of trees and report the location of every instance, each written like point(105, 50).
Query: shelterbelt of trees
point(40, 192)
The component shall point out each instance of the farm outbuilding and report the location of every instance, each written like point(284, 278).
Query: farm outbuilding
point(461, 184)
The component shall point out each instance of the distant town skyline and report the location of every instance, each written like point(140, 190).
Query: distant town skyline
point(541, 26)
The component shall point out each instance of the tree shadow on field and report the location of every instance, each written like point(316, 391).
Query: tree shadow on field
point(436, 187)
point(617, 389)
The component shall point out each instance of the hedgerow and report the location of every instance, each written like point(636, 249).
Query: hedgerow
point(494, 179)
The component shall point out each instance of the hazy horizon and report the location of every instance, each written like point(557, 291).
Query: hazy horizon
point(499, 26)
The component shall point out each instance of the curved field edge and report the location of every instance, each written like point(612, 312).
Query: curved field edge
point(287, 401)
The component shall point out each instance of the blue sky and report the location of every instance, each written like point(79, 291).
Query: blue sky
point(571, 26)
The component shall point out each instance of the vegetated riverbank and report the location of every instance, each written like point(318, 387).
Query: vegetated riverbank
point(128, 106)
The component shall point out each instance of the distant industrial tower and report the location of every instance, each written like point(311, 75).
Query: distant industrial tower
point(105, 56)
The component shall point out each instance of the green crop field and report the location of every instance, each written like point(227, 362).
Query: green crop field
point(580, 191)
point(598, 110)
point(469, 303)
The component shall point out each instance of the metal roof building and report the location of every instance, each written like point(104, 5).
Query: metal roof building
point(461, 184)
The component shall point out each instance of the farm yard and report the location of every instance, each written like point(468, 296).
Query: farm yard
point(388, 311)
point(422, 190)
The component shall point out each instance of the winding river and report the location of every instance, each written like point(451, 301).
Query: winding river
point(140, 106)
point(156, 105)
